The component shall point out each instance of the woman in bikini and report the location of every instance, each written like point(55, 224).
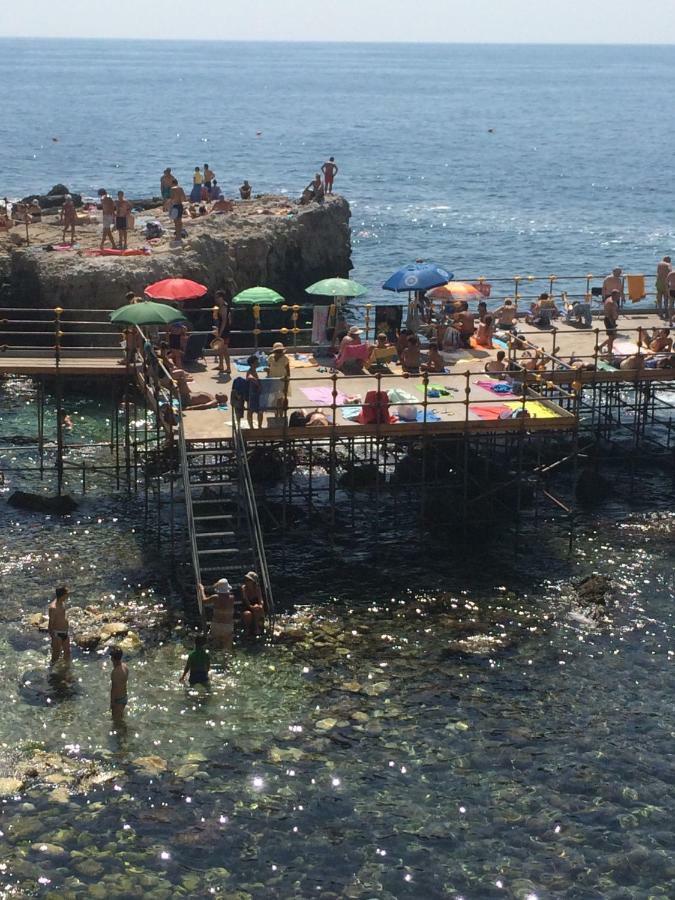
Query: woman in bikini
point(223, 327)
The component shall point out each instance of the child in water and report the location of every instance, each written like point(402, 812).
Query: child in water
point(198, 663)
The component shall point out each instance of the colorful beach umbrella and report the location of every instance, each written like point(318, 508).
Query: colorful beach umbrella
point(337, 287)
point(455, 290)
point(146, 313)
point(176, 289)
point(417, 277)
point(258, 296)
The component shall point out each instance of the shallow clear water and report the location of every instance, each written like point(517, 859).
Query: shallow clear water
point(453, 726)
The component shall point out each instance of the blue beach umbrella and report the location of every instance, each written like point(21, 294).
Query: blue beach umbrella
point(418, 277)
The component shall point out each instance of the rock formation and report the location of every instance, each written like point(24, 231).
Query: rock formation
point(270, 241)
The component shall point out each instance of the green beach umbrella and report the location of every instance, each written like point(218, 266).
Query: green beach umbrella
point(337, 287)
point(258, 295)
point(146, 313)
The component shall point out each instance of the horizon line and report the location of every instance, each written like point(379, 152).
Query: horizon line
point(393, 41)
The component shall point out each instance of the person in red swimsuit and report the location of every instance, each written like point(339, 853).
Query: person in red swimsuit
point(329, 170)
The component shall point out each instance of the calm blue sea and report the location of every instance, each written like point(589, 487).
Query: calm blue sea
point(576, 176)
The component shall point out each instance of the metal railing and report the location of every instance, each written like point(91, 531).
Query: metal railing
point(255, 528)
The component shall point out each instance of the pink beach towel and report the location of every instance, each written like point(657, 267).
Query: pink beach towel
point(323, 396)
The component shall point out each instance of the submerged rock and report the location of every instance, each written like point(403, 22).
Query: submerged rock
point(151, 765)
point(44, 503)
point(595, 589)
point(10, 786)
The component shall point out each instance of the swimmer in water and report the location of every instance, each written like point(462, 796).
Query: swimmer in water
point(118, 684)
point(67, 422)
point(198, 663)
point(58, 626)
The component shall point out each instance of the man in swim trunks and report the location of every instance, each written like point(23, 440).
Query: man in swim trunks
point(614, 282)
point(329, 170)
point(208, 178)
point(198, 663)
point(108, 217)
point(222, 624)
point(119, 678)
point(663, 270)
point(122, 213)
point(506, 316)
point(58, 625)
point(611, 310)
point(176, 209)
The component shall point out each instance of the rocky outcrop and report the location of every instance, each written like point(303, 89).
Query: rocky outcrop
point(62, 505)
point(270, 241)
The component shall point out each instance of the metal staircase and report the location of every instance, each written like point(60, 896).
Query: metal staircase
point(224, 528)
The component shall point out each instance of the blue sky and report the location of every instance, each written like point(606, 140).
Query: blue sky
point(494, 21)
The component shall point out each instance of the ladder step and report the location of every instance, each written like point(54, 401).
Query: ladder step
point(226, 551)
point(222, 518)
point(202, 467)
point(214, 534)
point(220, 500)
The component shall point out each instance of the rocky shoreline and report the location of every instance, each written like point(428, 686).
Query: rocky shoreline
point(270, 240)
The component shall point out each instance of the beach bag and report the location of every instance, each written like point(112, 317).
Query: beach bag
point(375, 409)
point(406, 412)
point(153, 229)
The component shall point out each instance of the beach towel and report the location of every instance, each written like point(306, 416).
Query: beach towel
point(636, 288)
point(108, 251)
point(491, 412)
point(319, 324)
point(499, 344)
point(503, 388)
point(536, 409)
point(436, 390)
point(476, 346)
point(323, 396)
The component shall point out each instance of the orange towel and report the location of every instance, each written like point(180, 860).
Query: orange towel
point(636, 288)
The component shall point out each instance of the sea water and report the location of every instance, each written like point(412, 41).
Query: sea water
point(449, 722)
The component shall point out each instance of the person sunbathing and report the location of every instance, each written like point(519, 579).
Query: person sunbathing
point(381, 353)
point(496, 366)
point(484, 332)
point(412, 355)
point(190, 400)
point(435, 363)
point(659, 342)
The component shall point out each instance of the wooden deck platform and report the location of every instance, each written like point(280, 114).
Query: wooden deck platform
point(103, 365)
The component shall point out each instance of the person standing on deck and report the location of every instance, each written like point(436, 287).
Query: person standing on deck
point(58, 626)
point(107, 217)
point(611, 311)
point(119, 678)
point(670, 285)
point(122, 213)
point(663, 270)
point(329, 170)
point(614, 282)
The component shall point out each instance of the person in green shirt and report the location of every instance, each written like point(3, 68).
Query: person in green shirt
point(198, 663)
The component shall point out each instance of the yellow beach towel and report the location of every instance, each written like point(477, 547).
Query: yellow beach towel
point(636, 288)
point(536, 409)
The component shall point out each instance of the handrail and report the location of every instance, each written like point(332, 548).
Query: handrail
point(188, 506)
point(252, 514)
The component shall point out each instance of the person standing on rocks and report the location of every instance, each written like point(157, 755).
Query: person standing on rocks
point(108, 217)
point(177, 203)
point(122, 213)
point(69, 218)
point(165, 184)
point(119, 678)
point(58, 626)
point(208, 179)
point(329, 170)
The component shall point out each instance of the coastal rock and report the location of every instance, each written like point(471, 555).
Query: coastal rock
point(87, 640)
point(274, 242)
point(53, 851)
point(113, 629)
point(595, 589)
point(54, 198)
point(10, 786)
point(44, 503)
point(151, 765)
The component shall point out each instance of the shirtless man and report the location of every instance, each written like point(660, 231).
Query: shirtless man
point(122, 213)
point(177, 202)
point(497, 366)
point(464, 322)
point(614, 282)
point(208, 178)
point(58, 625)
point(222, 624)
point(69, 214)
point(108, 217)
point(329, 170)
point(611, 311)
point(506, 316)
point(245, 190)
point(165, 183)
point(119, 678)
point(663, 270)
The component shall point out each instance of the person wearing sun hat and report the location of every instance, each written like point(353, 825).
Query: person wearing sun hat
point(253, 614)
point(279, 373)
point(222, 625)
point(353, 352)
